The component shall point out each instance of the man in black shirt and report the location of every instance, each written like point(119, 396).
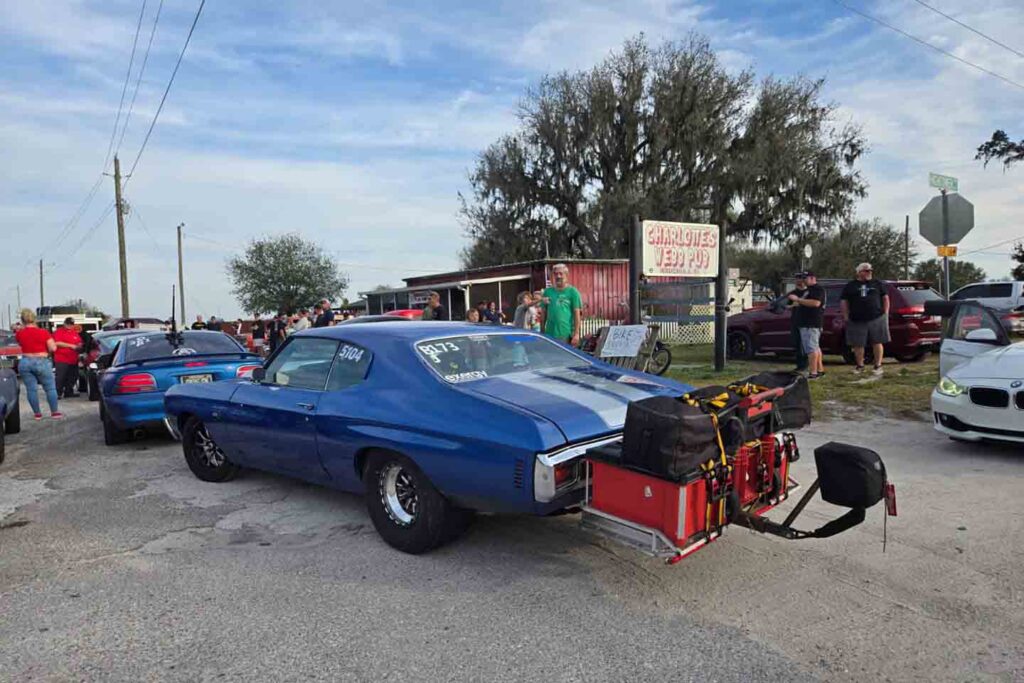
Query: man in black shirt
point(865, 307)
point(326, 318)
point(276, 331)
point(794, 327)
point(809, 315)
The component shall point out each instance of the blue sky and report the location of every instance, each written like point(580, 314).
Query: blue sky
point(355, 124)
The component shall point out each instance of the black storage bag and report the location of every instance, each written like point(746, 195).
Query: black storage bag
point(850, 476)
point(667, 438)
point(793, 408)
point(731, 423)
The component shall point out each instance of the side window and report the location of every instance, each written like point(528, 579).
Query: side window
point(350, 365)
point(971, 317)
point(972, 292)
point(304, 363)
point(832, 295)
point(1001, 289)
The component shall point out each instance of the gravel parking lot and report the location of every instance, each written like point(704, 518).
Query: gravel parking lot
point(116, 563)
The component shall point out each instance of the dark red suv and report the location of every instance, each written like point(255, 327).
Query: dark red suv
point(766, 330)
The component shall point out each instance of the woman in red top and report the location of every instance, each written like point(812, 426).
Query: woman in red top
point(65, 358)
point(35, 367)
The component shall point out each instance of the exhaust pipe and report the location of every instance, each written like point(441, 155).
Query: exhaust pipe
point(138, 433)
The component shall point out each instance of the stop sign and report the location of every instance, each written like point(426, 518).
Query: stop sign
point(961, 219)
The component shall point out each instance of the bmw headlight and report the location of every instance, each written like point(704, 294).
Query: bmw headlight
point(950, 388)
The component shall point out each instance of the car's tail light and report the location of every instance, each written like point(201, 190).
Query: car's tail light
point(565, 473)
point(195, 364)
point(135, 383)
point(910, 312)
point(246, 370)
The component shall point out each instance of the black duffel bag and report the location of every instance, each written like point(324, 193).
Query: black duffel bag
point(850, 476)
point(668, 438)
point(793, 408)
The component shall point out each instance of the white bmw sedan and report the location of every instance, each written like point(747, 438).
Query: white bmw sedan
point(980, 395)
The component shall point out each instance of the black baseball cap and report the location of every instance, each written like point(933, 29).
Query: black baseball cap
point(809, 273)
point(800, 275)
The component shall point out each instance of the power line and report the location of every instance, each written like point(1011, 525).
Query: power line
point(929, 45)
point(69, 226)
point(142, 222)
point(991, 246)
point(90, 231)
point(970, 28)
point(124, 88)
point(138, 80)
point(166, 91)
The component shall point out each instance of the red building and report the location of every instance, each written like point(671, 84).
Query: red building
point(603, 286)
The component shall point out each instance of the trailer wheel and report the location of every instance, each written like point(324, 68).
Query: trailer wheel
point(408, 512)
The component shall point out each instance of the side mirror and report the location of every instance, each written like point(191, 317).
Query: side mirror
point(982, 335)
point(258, 374)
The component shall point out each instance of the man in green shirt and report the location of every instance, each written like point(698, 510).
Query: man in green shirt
point(562, 308)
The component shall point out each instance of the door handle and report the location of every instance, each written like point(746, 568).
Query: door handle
point(307, 406)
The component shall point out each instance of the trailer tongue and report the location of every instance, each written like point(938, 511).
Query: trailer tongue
point(657, 490)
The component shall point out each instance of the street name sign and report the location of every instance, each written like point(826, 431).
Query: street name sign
point(943, 182)
point(959, 214)
point(679, 249)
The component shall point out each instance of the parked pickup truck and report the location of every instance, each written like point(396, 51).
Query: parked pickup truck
point(914, 334)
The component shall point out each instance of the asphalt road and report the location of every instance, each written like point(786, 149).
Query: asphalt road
point(117, 564)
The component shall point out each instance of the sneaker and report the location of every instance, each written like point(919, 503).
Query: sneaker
point(813, 375)
point(57, 416)
point(38, 416)
point(877, 371)
point(858, 370)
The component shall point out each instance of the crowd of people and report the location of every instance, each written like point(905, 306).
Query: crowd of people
point(557, 311)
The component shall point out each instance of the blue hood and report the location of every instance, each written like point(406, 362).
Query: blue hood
point(583, 402)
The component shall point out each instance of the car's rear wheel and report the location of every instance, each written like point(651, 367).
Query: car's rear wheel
point(3, 447)
point(204, 457)
point(112, 434)
point(409, 513)
point(12, 424)
point(740, 345)
point(94, 387)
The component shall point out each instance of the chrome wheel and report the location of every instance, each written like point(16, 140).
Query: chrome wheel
point(398, 494)
point(206, 448)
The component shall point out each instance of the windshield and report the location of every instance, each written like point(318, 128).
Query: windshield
point(478, 356)
point(157, 345)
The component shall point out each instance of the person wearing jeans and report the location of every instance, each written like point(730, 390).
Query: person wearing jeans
point(35, 366)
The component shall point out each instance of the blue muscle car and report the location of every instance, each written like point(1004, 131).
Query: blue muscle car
point(134, 376)
point(10, 409)
point(431, 420)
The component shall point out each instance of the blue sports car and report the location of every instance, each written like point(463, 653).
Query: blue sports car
point(134, 376)
point(431, 420)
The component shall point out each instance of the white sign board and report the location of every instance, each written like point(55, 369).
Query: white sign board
point(680, 249)
point(623, 341)
point(419, 298)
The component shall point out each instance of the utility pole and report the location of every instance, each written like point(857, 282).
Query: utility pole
point(635, 254)
point(906, 248)
point(181, 277)
point(119, 204)
point(41, 300)
point(19, 299)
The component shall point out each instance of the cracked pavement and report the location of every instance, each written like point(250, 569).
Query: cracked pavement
point(117, 564)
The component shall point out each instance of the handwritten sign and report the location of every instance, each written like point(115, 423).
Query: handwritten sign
point(680, 249)
point(623, 341)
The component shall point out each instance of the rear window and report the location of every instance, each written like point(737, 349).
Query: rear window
point(916, 295)
point(149, 346)
point(478, 356)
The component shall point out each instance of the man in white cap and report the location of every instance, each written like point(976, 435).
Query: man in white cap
point(865, 307)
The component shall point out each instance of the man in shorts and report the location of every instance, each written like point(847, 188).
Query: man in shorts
point(800, 288)
point(809, 316)
point(865, 307)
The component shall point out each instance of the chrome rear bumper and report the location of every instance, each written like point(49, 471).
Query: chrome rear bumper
point(172, 428)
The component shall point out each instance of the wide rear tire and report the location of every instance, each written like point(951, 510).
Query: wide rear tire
point(204, 457)
point(409, 513)
point(112, 434)
point(12, 424)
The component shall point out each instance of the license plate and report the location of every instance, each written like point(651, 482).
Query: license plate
point(196, 379)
